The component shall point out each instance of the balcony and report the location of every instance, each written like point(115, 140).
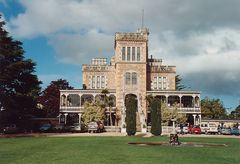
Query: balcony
point(71, 109)
point(196, 110)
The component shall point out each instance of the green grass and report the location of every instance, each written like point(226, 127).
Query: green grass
point(93, 150)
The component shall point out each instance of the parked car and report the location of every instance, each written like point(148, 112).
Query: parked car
point(209, 128)
point(225, 131)
point(61, 128)
point(195, 129)
point(10, 129)
point(92, 127)
point(96, 127)
point(235, 131)
point(76, 127)
point(45, 128)
point(184, 128)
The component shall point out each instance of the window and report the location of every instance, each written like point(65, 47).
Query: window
point(138, 53)
point(155, 83)
point(93, 82)
point(98, 81)
point(159, 83)
point(127, 78)
point(102, 82)
point(131, 78)
point(133, 53)
point(164, 82)
point(134, 78)
point(128, 53)
point(123, 53)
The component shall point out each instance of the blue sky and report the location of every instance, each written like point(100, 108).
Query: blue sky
point(200, 37)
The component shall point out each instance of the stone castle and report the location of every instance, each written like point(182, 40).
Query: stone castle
point(130, 71)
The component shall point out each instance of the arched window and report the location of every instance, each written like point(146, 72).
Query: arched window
point(134, 78)
point(131, 78)
point(127, 78)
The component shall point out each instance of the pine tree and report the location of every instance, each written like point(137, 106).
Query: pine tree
point(19, 87)
point(131, 106)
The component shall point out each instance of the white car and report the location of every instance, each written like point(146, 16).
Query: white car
point(209, 128)
point(178, 128)
point(92, 127)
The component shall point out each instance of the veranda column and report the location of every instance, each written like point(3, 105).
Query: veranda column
point(167, 100)
point(200, 118)
point(79, 118)
point(194, 119)
point(193, 103)
point(180, 102)
point(65, 118)
point(59, 118)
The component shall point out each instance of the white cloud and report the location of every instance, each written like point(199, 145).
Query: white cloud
point(200, 37)
point(78, 49)
point(4, 2)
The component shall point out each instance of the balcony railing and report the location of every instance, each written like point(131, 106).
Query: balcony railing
point(190, 110)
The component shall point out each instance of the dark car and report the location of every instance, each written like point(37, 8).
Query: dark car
point(60, 128)
point(195, 129)
point(45, 128)
point(10, 129)
point(76, 127)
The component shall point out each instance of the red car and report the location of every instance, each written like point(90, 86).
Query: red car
point(195, 129)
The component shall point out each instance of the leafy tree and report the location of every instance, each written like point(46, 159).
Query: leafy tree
point(156, 127)
point(213, 109)
point(93, 111)
point(50, 98)
point(236, 113)
point(179, 86)
point(19, 86)
point(170, 113)
point(131, 106)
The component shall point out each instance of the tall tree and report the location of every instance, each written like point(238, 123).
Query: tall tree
point(50, 98)
point(156, 127)
point(131, 107)
point(178, 81)
point(213, 108)
point(19, 86)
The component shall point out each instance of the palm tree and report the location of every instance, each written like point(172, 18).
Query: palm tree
point(105, 92)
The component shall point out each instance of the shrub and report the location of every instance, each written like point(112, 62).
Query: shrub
point(131, 106)
point(156, 127)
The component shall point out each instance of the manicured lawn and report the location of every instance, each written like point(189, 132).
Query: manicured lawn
point(93, 150)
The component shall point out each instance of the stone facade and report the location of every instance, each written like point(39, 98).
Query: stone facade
point(131, 71)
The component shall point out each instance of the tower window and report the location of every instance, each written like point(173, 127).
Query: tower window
point(134, 78)
point(138, 53)
point(133, 53)
point(127, 78)
point(131, 78)
point(128, 53)
point(123, 53)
